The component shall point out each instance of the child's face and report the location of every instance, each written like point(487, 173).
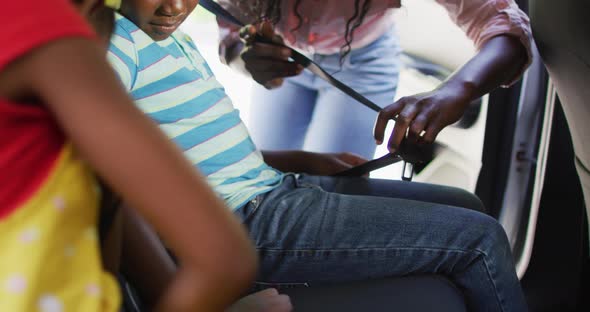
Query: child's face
point(158, 18)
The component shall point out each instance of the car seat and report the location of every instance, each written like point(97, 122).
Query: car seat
point(562, 32)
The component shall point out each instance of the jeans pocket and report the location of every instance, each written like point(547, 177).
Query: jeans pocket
point(245, 212)
point(303, 180)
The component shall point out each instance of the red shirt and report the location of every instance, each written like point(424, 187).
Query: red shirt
point(30, 140)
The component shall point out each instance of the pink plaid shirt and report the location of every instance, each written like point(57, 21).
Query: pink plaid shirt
point(324, 21)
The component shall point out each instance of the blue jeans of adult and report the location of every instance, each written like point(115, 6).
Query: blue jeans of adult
point(307, 113)
point(317, 230)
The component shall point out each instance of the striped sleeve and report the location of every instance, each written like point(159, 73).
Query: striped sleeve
point(123, 57)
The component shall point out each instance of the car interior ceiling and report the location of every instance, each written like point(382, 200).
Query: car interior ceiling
point(558, 275)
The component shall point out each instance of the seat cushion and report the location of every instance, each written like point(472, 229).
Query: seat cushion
point(415, 294)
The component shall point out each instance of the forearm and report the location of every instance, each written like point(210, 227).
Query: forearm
point(149, 267)
point(288, 161)
point(145, 261)
point(498, 62)
point(150, 173)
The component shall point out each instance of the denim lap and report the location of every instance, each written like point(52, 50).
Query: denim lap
point(306, 235)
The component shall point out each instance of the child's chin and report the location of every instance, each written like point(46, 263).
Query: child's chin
point(159, 35)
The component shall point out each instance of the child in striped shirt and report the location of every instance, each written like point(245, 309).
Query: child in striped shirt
point(309, 228)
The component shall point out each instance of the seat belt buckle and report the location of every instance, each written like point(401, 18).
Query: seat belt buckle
point(407, 171)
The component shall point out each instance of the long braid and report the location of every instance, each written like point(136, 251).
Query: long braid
point(272, 11)
point(356, 20)
point(298, 15)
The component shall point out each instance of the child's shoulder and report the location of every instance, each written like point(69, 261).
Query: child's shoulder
point(187, 43)
point(125, 28)
point(124, 23)
point(190, 50)
point(128, 38)
point(181, 36)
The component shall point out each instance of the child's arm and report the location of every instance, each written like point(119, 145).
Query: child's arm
point(155, 268)
point(72, 77)
point(312, 163)
point(145, 263)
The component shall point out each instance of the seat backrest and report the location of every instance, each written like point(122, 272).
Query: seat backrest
point(562, 32)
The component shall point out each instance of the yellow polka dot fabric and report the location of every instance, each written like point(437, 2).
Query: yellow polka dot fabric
point(49, 251)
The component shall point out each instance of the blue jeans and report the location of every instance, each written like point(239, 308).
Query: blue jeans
point(307, 113)
point(307, 234)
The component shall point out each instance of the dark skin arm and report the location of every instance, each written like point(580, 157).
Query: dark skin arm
point(138, 161)
point(149, 267)
point(498, 61)
point(312, 163)
point(145, 261)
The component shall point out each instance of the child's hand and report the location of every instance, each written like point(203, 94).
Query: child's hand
point(331, 163)
point(267, 63)
point(268, 300)
point(312, 163)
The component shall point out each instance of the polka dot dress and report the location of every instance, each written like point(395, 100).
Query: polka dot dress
point(49, 252)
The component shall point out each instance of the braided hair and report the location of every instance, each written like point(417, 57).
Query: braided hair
point(271, 10)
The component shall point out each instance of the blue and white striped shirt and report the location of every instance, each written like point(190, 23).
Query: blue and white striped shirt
point(172, 83)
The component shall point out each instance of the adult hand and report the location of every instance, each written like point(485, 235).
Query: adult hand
point(267, 63)
point(423, 116)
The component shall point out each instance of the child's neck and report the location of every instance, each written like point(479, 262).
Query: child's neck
point(103, 22)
